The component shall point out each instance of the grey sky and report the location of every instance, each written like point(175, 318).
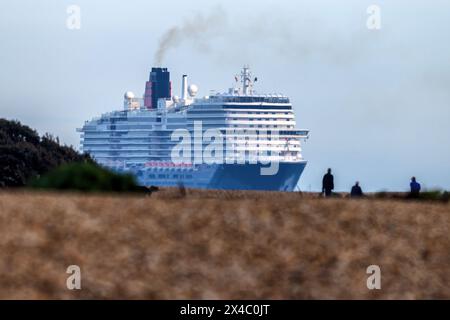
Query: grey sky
point(377, 102)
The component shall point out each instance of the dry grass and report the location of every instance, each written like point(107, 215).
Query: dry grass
point(228, 245)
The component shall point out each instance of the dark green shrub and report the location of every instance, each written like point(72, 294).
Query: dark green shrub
point(445, 196)
point(435, 195)
point(85, 177)
point(24, 154)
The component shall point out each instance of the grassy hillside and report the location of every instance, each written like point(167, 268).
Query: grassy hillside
point(231, 245)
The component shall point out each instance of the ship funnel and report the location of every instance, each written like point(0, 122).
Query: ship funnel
point(158, 86)
point(184, 88)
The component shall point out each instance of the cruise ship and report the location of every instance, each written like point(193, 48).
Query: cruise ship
point(236, 140)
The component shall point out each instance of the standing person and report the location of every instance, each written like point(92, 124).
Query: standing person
point(415, 188)
point(356, 191)
point(327, 183)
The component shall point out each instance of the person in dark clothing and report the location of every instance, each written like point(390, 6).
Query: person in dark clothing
point(328, 183)
point(415, 188)
point(356, 191)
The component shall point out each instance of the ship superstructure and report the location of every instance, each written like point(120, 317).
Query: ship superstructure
point(235, 140)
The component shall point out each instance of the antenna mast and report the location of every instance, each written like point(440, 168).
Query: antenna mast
point(247, 84)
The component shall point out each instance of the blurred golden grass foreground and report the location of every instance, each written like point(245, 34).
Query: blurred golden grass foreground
point(221, 245)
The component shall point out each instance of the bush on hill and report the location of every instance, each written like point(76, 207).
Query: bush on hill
point(85, 177)
point(25, 155)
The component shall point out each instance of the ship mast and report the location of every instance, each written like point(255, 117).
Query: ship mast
point(247, 84)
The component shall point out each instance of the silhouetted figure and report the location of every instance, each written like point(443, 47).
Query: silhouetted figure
point(415, 188)
point(327, 183)
point(356, 191)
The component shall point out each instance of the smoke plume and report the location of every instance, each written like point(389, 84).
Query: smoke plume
point(196, 30)
point(230, 40)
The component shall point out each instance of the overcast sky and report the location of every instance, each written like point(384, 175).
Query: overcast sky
point(377, 102)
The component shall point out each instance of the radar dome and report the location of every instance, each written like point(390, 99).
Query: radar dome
point(192, 89)
point(128, 95)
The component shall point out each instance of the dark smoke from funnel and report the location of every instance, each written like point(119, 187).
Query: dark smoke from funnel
point(193, 29)
point(276, 33)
